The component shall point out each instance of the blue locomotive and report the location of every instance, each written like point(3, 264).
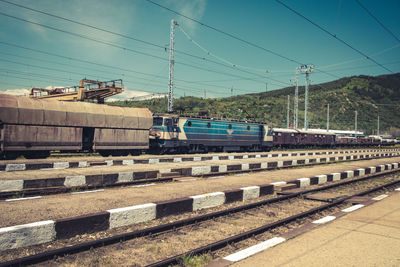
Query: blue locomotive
point(171, 133)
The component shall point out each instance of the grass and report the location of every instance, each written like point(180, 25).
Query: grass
point(195, 260)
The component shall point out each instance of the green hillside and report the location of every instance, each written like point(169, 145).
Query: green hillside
point(367, 94)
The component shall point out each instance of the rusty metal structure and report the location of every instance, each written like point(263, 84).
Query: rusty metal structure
point(34, 127)
point(88, 90)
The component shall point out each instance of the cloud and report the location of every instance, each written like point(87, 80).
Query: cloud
point(127, 94)
point(21, 91)
point(193, 9)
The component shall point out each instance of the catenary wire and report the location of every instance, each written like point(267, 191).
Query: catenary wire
point(333, 35)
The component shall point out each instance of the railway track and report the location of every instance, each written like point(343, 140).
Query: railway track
point(84, 162)
point(155, 176)
point(269, 209)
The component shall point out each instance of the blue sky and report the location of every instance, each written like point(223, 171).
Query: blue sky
point(36, 56)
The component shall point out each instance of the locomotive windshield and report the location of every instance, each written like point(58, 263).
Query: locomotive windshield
point(157, 121)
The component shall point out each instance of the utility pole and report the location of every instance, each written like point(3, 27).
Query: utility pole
point(205, 94)
point(327, 119)
point(306, 69)
point(355, 124)
point(266, 87)
point(296, 100)
point(171, 67)
point(288, 112)
point(377, 132)
point(232, 91)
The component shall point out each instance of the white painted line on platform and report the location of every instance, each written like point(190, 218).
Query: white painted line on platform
point(143, 185)
point(278, 183)
point(216, 177)
point(324, 220)
point(90, 191)
point(22, 198)
point(255, 249)
point(380, 197)
point(353, 208)
point(397, 189)
point(187, 180)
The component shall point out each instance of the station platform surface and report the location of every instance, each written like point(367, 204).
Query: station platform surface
point(369, 236)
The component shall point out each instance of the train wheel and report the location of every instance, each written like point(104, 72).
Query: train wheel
point(11, 155)
point(104, 153)
point(135, 152)
point(36, 154)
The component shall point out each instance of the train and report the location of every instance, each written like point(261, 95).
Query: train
point(33, 128)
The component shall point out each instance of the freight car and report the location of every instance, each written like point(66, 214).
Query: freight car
point(33, 127)
point(290, 138)
point(195, 134)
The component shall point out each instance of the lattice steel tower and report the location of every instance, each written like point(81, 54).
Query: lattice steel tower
point(171, 67)
point(306, 69)
point(296, 101)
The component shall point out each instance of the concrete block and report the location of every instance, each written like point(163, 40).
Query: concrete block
point(177, 159)
point(335, 176)
point(11, 185)
point(361, 172)
point(250, 192)
point(82, 164)
point(318, 160)
point(304, 182)
point(75, 180)
point(127, 162)
point(294, 162)
point(245, 156)
point(208, 200)
point(109, 162)
point(382, 168)
point(164, 170)
point(245, 166)
point(196, 158)
point(15, 167)
point(231, 157)
point(154, 161)
point(264, 165)
point(350, 174)
point(132, 215)
point(61, 165)
point(373, 169)
point(306, 161)
point(322, 179)
point(222, 168)
point(280, 164)
point(27, 235)
point(388, 166)
point(395, 165)
point(215, 158)
point(125, 176)
point(258, 156)
point(200, 170)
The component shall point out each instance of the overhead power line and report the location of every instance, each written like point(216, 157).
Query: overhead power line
point(331, 34)
point(378, 21)
point(237, 38)
point(106, 66)
point(132, 50)
point(124, 36)
point(226, 33)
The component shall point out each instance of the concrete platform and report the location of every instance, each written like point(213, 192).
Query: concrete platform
point(368, 236)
